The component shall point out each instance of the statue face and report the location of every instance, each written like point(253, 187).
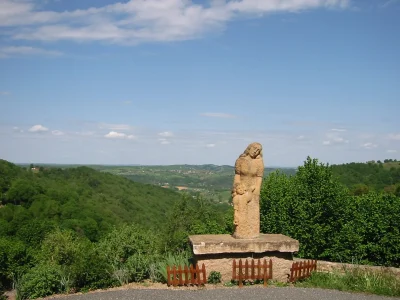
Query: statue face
point(254, 151)
point(240, 190)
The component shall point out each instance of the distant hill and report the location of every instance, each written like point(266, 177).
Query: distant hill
point(361, 177)
point(81, 199)
point(212, 181)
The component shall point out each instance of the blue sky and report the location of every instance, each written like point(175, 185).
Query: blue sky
point(184, 81)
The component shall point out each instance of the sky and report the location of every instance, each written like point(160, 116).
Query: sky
point(194, 82)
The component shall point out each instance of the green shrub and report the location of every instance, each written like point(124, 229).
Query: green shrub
point(81, 265)
point(356, 280)
point(128, 251)
point(41, 281)
point(171, 259)
point(138, 266)
point(214, 277)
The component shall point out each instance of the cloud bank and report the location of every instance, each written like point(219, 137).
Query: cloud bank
point(138, 21)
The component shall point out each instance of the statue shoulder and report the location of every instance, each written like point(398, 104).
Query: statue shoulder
point(238, 164)
point(259, 167)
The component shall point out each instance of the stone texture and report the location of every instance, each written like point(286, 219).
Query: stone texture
point(225, 243)
point(249, 170)
point(281, 263)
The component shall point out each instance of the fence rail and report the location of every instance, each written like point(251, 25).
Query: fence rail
point(302, 269)
point(253, 271)
point(186, 276)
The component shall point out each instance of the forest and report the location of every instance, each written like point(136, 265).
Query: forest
point(78, 229)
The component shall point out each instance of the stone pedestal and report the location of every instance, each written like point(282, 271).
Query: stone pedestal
point(217, 252)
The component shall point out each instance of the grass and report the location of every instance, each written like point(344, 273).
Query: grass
point(356, 280)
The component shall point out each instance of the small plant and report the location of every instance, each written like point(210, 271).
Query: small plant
point(171, 259)
point(214, 277)
point(230, 283)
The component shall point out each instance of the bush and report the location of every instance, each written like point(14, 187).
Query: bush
point(41, 281)
point(81, 265)
point(171, 259)
point(314, 208)
point(128, 252)
point(356, 280)
point(214, 277)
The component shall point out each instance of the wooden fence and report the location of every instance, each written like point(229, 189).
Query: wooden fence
point(302, 269)
point(253, 271)
point(192, 275)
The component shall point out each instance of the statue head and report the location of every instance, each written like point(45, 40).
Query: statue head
point(254, 150)
point(240, 188)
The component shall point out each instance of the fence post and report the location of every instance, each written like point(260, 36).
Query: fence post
point(234, 270)
point(203, 269)
point(259, 276)
point(270, 268)
point(246, 267)
point(240, 274)
point(191, 275)
point(168, 276)
point(180, 275)
point(252, 269)
point(185, 269)
point(198, 281)
point(265, 272)
point(174, 279)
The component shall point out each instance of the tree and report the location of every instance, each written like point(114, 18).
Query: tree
point(308, 206)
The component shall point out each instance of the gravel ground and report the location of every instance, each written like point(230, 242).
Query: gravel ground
point(248, 293)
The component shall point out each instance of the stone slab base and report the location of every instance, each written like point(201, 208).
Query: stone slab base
point(281, 264)
point(218, 251)
point(225, 243)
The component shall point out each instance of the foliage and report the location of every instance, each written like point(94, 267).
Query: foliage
point(314, 208)
point(192, 216)
point(356, 280)
point(41, 281)
point(171, 259)
point(363, 177)
point(214, 277)
point(129, 251)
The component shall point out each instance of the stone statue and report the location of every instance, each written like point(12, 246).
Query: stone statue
point(249, 170)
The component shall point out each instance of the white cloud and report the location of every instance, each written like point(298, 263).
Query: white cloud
point(334, 139)
point(119, 135)
point(301, 137)
point(369, 145)
point(210, 145)
point(217, 115)
point(394, 136)
point(26, 50)
point(389, 2)
point(164, 142)
point(57, 132)
point(17, 129)
point(138, 21)
point(166, 134)
point(4, 93)
point(122, 127)
point(38, 128)
point(339, 129)
point(391, 151)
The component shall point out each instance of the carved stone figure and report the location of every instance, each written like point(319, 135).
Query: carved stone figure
point(249, 171)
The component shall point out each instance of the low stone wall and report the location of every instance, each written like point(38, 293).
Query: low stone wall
point(326, 266)
point(281, 263)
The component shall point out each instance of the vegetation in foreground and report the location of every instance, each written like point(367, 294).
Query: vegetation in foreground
point(329, 222)
point(79, 229)
point(356, 280)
